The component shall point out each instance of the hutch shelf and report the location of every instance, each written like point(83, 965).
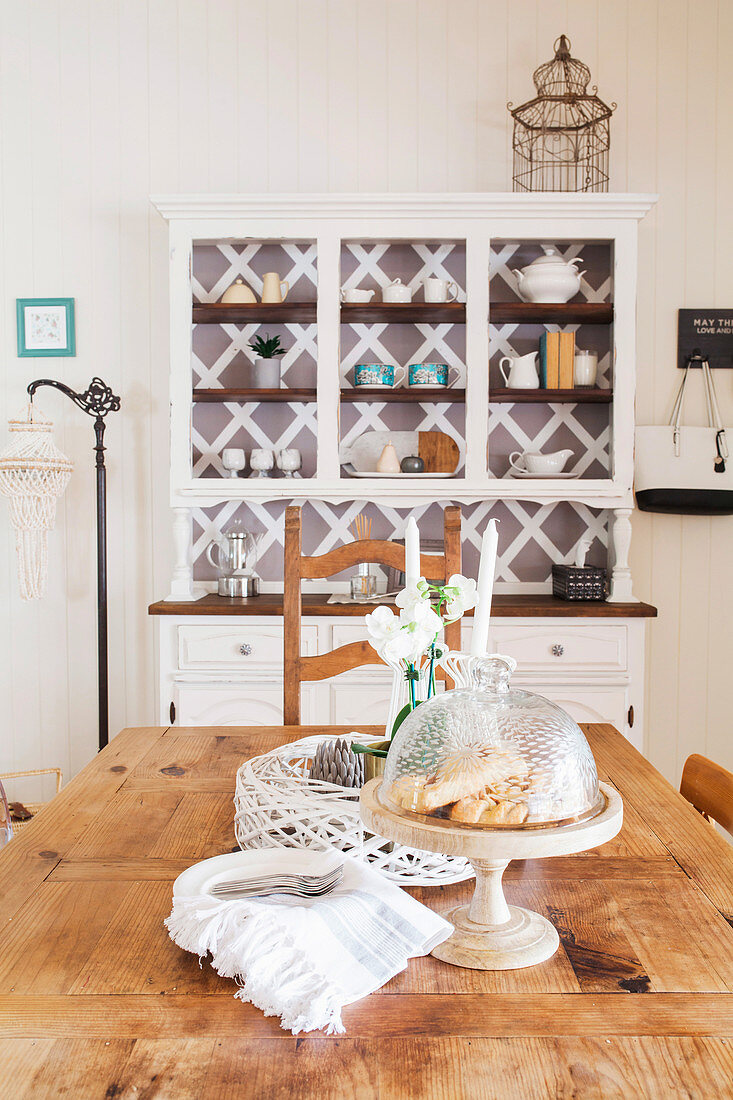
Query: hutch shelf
point(281, 313)
point(582, 395)
point(417, 395)
point(283, 396)
point(572, 313)
point(412, 313)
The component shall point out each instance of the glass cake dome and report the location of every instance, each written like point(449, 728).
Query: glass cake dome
point(487, 755)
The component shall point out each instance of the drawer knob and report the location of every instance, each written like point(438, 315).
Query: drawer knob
point(557, 650)
point(245, 649)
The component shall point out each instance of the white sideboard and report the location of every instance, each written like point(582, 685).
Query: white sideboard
point(227, 670)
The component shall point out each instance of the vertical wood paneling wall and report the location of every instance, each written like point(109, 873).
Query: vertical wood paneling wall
point(105, 101)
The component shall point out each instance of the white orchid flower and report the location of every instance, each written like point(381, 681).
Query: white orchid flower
point(382, 624)
point(461, 596)
point(413, 595)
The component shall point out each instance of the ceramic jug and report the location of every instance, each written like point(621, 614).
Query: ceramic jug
point(274, 289)
point(522, 373)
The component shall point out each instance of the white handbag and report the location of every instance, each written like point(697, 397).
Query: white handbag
point(683, 470)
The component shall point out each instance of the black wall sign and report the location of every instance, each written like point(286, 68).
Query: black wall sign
point(707, 331)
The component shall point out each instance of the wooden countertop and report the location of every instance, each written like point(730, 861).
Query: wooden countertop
point(503, 607)
point(95, 999)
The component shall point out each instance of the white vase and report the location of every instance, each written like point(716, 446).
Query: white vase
point(266, 374)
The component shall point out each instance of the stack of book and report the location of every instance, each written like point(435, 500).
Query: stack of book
point(557, 356)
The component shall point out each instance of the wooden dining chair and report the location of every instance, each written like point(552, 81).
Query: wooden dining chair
point(709, 787)
point(298, 669)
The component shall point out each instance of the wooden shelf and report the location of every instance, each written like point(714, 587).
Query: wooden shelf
point(256, 313)
point(283, 396)
point(583, 395)
point(524, 313)
point(406, 313)
point(417, 395)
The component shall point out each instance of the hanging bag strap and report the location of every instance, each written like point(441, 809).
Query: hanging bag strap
point(676, 417)
point(716, 420)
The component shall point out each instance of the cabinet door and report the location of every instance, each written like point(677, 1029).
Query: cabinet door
point(360, 702)
point(256, 704)
point(587, 703)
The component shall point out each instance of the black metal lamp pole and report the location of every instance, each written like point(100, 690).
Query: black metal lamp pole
point(97, 400)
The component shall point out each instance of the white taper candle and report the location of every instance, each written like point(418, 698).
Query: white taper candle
point(412, 553)
point(485, 587)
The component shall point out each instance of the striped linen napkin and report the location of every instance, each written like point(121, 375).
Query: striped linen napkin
point(304, 959)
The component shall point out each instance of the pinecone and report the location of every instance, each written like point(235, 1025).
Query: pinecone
point(334, 762)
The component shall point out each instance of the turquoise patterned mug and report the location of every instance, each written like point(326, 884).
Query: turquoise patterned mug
point(431, 374)
point(378, 374)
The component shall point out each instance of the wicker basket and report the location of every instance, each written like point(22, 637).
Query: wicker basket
point(32, 807)
point(278, 806)
point(579, 582)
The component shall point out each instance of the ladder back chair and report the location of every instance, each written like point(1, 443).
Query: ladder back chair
point(709, 787)
point(298, 669)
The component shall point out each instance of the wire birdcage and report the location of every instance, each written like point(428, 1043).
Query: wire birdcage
point(562, 137)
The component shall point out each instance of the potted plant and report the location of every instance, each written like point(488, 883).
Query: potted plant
point(408, 644)
point(267, 349)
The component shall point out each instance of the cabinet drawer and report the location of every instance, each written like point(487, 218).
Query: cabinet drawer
point(344, 633)
point(544, 648)
point(241, 646)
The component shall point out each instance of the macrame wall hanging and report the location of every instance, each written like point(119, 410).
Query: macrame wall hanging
point(33, 475)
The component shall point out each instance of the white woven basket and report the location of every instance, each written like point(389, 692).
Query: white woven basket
point(278, 806)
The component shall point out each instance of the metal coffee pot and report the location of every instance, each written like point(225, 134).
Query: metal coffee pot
point(236, 557)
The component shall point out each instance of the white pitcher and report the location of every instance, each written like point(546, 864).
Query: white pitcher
point(274, 289)
point(522, 371)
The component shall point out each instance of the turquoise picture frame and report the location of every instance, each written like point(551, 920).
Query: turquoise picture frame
point(40, 333)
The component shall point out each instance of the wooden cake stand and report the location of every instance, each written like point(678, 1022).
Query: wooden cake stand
point(489, 934)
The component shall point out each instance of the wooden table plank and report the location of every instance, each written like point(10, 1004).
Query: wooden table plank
point(638, 999)
point(201, 1015)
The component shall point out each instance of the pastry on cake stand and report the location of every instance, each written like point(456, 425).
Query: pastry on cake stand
point(489, 934)
point(492, 773)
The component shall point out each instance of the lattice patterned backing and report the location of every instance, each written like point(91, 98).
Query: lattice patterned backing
point(372, 267)
point(584, 429)
point(531, 536)
point(222, 358)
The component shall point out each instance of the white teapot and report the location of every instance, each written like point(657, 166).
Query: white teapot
point(549, 278)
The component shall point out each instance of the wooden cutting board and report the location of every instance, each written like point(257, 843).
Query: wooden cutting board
point(439, 452)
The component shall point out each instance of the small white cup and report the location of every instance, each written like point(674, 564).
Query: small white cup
point(289, 460)
point(232, 459)
point(261, 460)
point(585, 368)
point(440, 290)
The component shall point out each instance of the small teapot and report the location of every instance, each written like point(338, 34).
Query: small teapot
point(549, 278)
point(522, 371)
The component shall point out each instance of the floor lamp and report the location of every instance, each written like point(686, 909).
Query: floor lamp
point(97, 400)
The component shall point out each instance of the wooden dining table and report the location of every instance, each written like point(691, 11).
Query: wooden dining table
point(96, 1000)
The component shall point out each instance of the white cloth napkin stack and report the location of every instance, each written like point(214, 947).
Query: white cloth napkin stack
point(304, 959)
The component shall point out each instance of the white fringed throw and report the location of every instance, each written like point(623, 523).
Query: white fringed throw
point(303, 960)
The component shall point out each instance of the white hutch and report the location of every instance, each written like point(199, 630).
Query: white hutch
point(220, 660)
